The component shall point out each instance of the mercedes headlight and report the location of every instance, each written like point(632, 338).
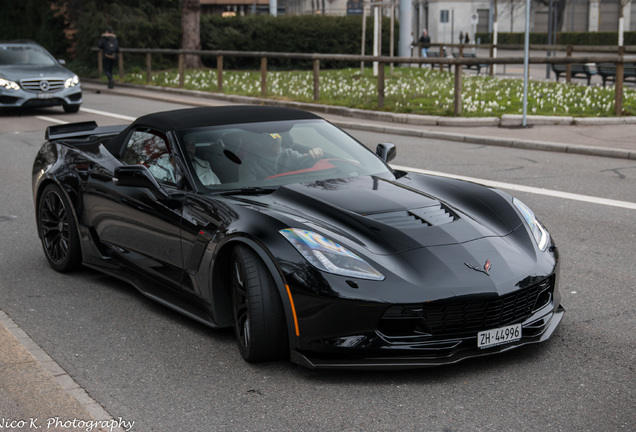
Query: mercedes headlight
point(71, 82)
point(539, 232)
point(9, 85)
point(329, 256)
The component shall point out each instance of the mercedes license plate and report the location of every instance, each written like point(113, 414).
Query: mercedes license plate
point(498, 336)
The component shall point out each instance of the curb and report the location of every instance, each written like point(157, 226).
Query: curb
point(59, 378)
point(507, 120)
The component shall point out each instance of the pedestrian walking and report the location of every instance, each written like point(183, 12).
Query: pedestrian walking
point(110, 48)
point(425, 43)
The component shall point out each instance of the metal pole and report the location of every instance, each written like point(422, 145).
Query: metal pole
point(376, 37)
point(364, 33)
point(525, 65)
point(550, 11)
point(392, 33)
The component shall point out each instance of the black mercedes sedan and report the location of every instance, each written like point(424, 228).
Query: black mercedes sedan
point(279, 224)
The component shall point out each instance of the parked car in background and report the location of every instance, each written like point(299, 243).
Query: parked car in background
point(31, 77)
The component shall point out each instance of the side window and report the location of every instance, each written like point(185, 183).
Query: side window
point(150, 148)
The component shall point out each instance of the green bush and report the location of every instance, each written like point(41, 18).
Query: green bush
point(157, 24)
point(137, 23)
point(30, 19)
point(293, 34)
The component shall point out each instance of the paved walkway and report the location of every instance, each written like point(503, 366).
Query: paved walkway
point(37, 394)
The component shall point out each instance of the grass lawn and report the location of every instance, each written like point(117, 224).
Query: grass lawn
point(409, 90)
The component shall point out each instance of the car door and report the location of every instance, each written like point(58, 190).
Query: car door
point(140, 227)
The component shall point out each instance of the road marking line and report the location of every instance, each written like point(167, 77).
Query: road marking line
point(108, 114)
point(51, 120)
point(528, 189)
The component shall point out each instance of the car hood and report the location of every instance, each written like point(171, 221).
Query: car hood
point(20, 72)
point(383, 216)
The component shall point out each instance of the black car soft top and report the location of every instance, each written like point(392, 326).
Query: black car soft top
point(189, 118)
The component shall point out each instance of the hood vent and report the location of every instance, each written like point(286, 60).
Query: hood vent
point(415, 218)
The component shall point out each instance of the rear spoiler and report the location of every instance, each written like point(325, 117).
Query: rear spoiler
point(79, 130)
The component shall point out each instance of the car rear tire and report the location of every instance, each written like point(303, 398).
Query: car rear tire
point(259, 321)
point(70, 109)
point(58, 230)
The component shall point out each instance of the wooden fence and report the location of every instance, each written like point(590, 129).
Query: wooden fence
point(454, 64)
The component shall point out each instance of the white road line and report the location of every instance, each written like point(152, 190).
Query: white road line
point(108, 114)
point(90, 111)
point(528, 189)
point(51, 120)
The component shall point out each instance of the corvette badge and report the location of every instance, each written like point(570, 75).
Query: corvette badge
point(485, 269)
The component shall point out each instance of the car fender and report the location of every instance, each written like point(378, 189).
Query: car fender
point(268, 257)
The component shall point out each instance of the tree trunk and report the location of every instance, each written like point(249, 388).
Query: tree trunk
point(191, 33)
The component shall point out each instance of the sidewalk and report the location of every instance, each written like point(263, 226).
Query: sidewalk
point(37, 394)
point(607, 137)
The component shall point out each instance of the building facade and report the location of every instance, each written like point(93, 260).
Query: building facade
point(445, 19)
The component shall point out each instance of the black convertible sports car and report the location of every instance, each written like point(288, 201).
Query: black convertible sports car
point(280, 224)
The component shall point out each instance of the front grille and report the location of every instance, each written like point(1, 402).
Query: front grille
point(35, 85)
point(449, 317)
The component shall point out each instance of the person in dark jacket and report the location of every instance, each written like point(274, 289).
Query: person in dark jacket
point(425, 43)
point(110, 48)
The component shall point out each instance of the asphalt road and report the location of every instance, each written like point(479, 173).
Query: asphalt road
point(144, 363)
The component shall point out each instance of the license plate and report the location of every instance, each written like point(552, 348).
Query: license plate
point(45, 96)
point(498, 336)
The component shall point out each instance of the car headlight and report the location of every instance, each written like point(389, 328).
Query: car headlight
point(539, 232)
point(9, 85)
point(329, 256)
point(71, 82)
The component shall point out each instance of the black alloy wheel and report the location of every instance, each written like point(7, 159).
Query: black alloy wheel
point(259, 321)
point(58, 230)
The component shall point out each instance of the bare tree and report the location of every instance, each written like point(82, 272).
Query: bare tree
point(191, 31)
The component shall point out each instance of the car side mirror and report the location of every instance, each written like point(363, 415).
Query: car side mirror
point(386, 151)
point(61, 61)
point(137, 176)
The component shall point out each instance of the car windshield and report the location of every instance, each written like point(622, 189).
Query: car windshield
point(24, 56)
point(270, 154)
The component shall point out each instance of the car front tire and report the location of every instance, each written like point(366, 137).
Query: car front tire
point(259, 321)
point(58, 230)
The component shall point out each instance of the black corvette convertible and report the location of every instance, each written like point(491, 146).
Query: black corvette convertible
point(280, 224)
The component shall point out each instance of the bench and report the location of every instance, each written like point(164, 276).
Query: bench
point(578, 69)
point(477, 67)
point(607, 71)
point(440, 53)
